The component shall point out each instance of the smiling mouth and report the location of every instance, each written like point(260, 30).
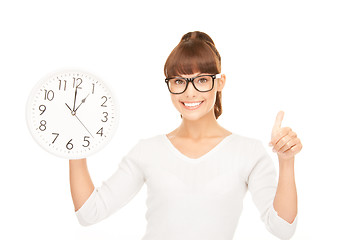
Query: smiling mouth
point(192, 105)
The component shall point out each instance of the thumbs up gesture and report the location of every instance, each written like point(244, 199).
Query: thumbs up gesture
point(283, 140)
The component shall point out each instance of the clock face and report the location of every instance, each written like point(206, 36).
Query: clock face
point(71, 114)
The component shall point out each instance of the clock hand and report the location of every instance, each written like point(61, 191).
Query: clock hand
point(72, 112)
point(84, 126)
point(82, 101)
point(75, 98)
point(68, 107)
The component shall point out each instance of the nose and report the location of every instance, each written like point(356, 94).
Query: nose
point(190, 90)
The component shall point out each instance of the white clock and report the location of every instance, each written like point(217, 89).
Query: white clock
point(71, 114)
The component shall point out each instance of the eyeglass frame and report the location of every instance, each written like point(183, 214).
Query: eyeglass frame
point(213, 76)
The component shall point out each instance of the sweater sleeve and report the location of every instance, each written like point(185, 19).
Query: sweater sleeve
point(115, 192)
point(262, 184)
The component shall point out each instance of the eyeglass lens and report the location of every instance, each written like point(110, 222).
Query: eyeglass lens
point(202, 83)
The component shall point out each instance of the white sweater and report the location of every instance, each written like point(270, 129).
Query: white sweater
point(192, 199)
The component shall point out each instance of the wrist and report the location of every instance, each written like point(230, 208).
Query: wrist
point(286, 163)
point(77, 161)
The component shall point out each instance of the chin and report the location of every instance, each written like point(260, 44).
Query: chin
point(193, 116)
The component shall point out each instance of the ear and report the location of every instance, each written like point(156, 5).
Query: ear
point(221, 82)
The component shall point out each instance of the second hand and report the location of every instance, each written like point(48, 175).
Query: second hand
point(84, 126)
point(74, 114)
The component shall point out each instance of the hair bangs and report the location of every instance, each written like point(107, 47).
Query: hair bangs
point(191, 56)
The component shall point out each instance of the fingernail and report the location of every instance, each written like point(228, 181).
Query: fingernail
point(270, 144)
point(274, 150)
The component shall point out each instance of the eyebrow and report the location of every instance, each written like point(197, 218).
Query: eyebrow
point(201, 74)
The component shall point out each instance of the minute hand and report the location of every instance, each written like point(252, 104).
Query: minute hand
point(75, 98)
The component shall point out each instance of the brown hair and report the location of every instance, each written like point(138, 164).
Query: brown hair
point(195, 52)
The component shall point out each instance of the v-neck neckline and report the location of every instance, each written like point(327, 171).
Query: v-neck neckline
point(201, 158)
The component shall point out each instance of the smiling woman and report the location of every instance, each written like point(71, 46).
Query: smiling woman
point(196, 52)
point(198, 174)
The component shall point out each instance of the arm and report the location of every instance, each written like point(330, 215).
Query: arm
point(114, 193)
point(286, 143)
point(263, 186)
point(81, 185)
point(285, 202)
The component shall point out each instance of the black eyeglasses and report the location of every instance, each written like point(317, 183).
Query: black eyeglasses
point(202, 83)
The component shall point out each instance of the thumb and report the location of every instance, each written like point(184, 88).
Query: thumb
point(277, 124)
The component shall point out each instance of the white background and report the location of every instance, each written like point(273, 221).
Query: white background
point(301, 57)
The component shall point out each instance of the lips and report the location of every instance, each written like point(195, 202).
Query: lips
point(192, 105)
point(191, 101)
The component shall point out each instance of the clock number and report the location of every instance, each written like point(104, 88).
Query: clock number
point(42, 126)
point(106, 118)
point(75, 80)
point(100, 131)
point(93, 88)
point(49, 95)
point(103, 105)
point(69, 145)
point(64, 84)
point(42, 108)
point(55, 137)
point(85, 140)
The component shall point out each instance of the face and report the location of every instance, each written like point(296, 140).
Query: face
point(191, 95)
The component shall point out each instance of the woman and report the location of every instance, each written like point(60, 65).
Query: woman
point(198, 174)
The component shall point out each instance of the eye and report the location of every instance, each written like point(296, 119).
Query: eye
point(179, 81)
point(202, 80)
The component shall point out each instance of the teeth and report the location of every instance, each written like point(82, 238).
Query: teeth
point(192, 104)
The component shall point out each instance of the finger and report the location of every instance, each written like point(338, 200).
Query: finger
point(284, 140)
point(280, 134)
point(281, 143)
point(294, 149)
point(292, 142)
point(278, 120)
